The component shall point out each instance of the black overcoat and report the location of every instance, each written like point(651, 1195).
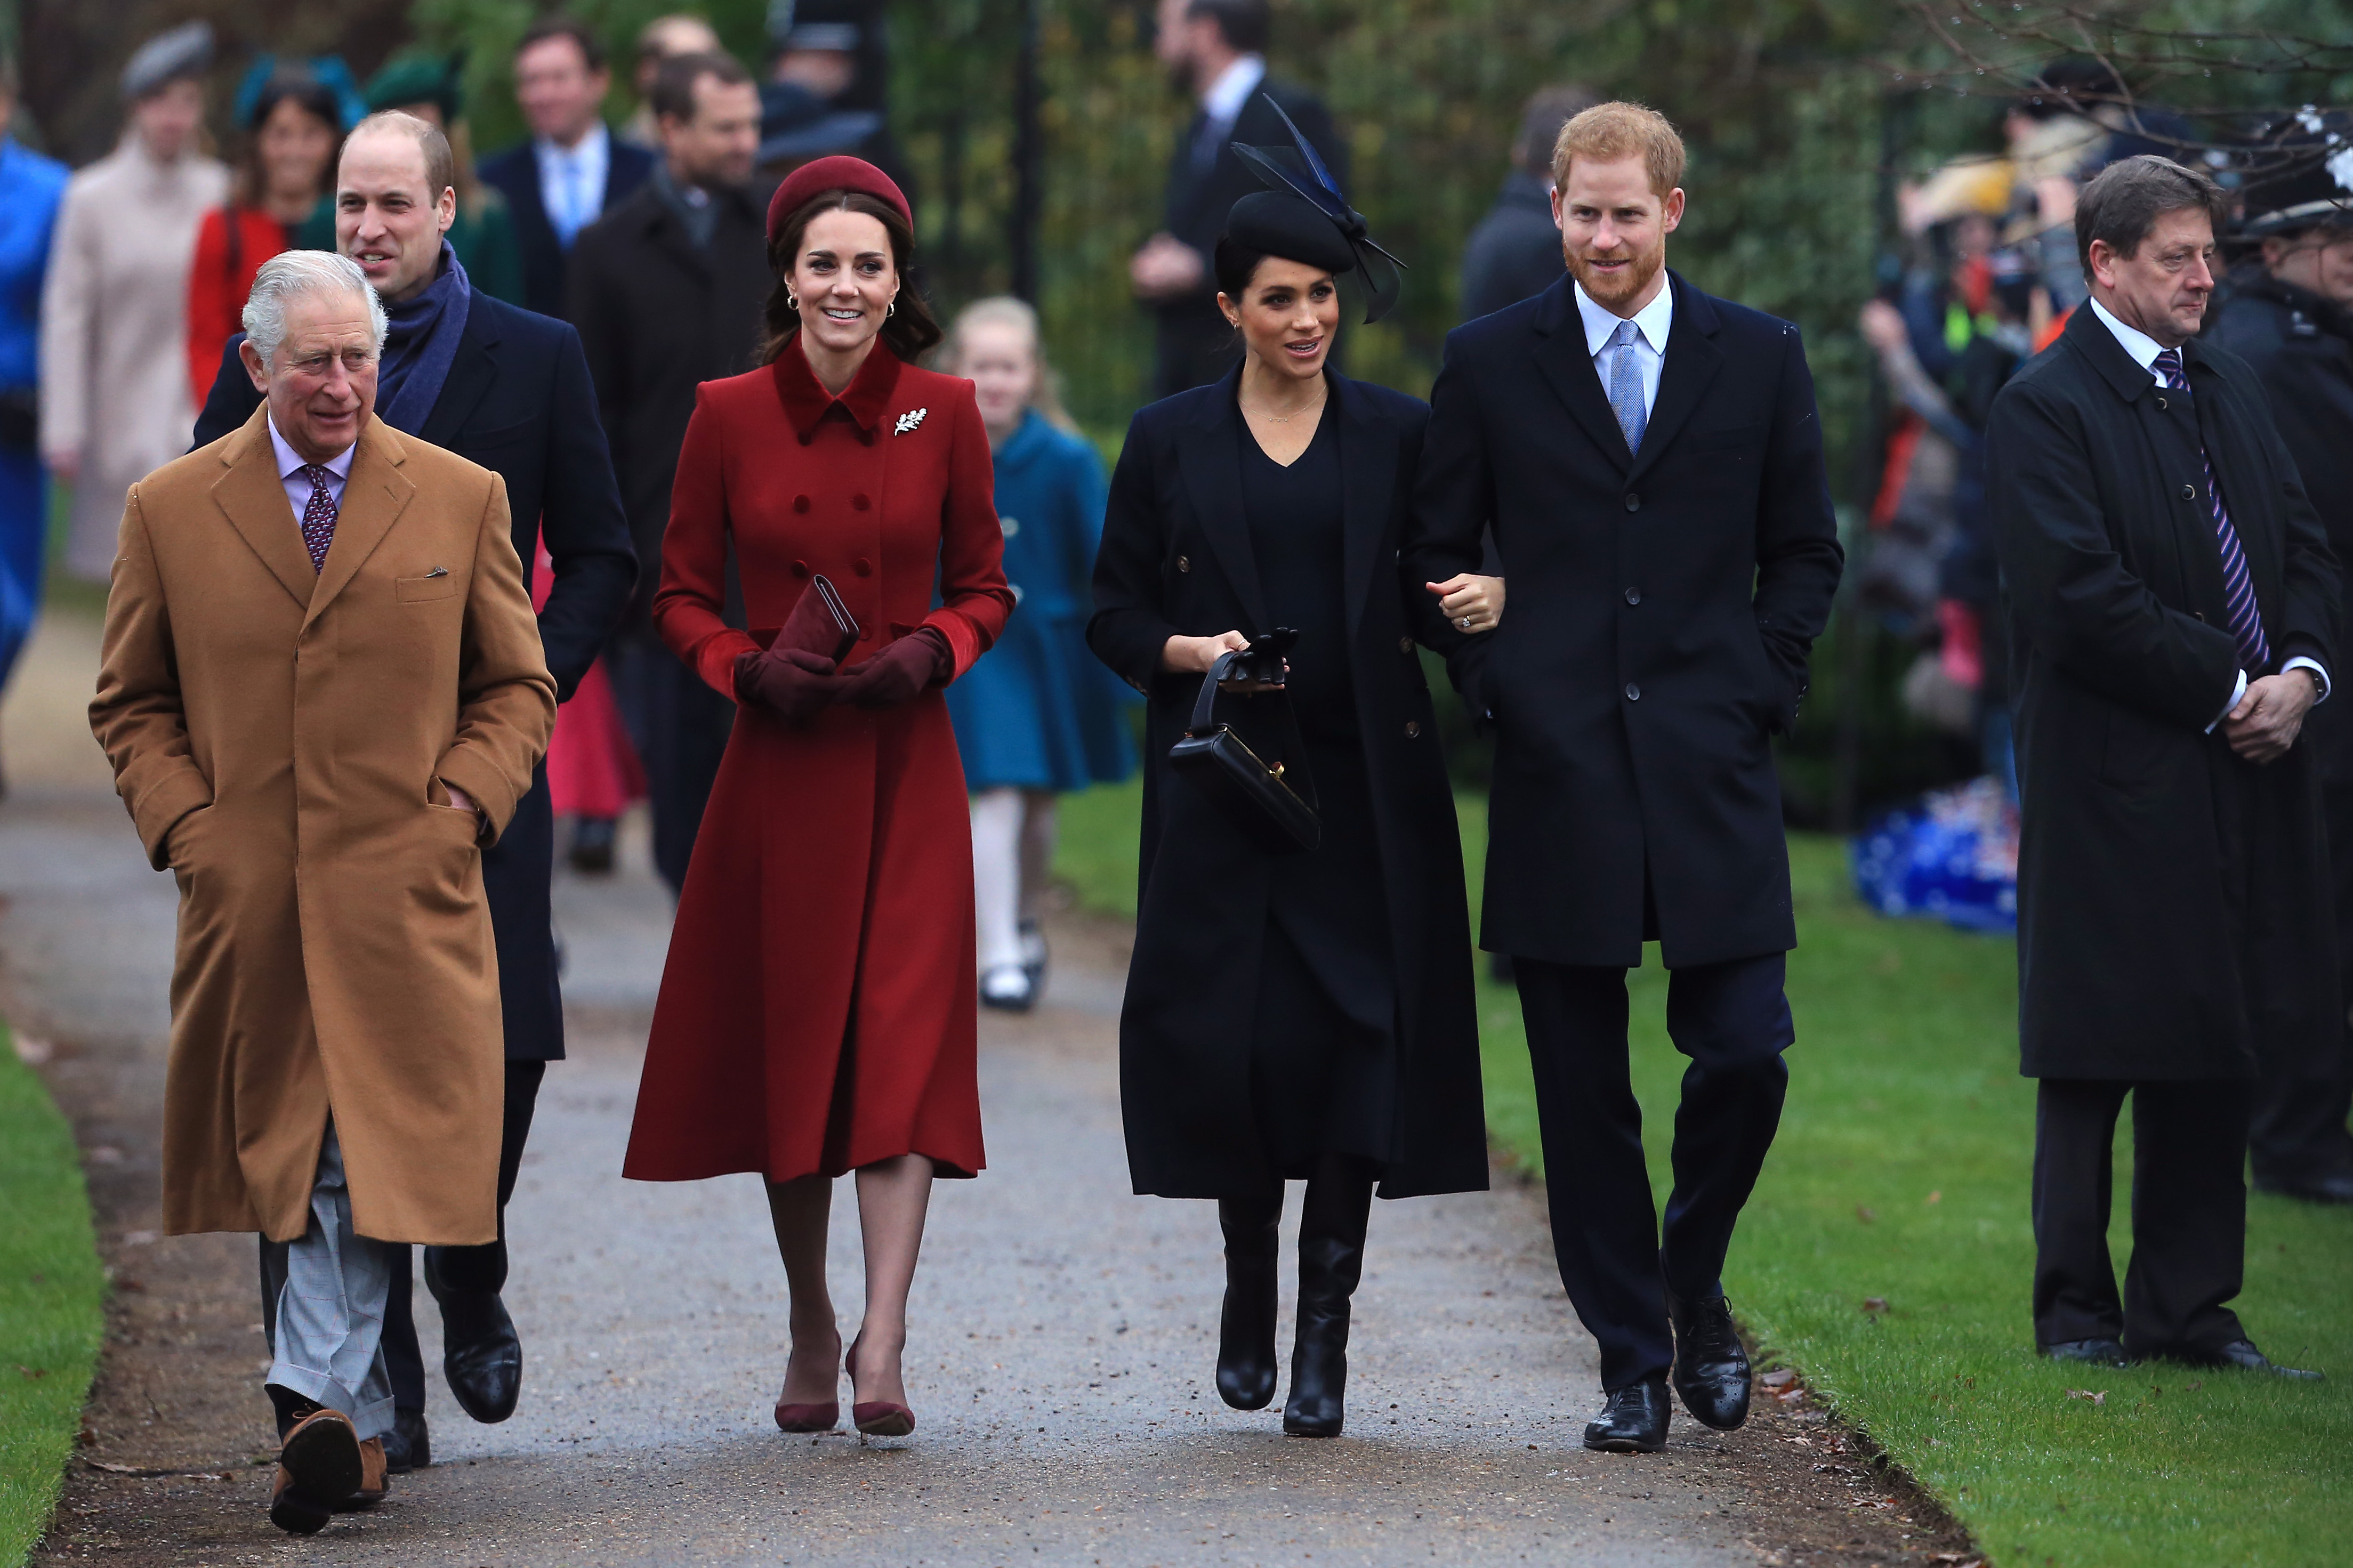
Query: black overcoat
point(1660, 612)
point(658, 316)
point(2174, 909)
point(514, 174)
point(518, 401)
point(1176, 561)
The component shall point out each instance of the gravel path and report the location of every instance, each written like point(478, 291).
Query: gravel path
point(1062, 1330)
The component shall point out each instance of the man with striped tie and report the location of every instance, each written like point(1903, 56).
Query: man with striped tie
point(2172, 608)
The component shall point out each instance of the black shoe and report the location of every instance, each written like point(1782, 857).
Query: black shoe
point(1331, 1261)
point(1711, 1373)
point(2243, 1355)
point(1007, 988)
point(1633, 1420)
point(407, 1447)
point(480, 1354)
point(2330, 1189)
point(592, 845)
point(2089, 1353)
point(1246, 1364)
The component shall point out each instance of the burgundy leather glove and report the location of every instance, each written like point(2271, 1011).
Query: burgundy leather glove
point(794, 685)
point(901, 672)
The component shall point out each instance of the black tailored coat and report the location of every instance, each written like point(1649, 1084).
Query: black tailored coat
point(2174, 905)
point(1661, 610)
point(515, 173)
point(518, 401)
point(1195, 345)
point(658, 316)
point(1176, 560)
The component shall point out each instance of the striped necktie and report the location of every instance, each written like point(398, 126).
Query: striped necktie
point(2238, 582)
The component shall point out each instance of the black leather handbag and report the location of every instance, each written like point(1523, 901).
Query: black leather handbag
point(1273, 805)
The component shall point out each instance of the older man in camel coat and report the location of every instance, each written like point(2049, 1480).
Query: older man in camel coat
point(323, 693)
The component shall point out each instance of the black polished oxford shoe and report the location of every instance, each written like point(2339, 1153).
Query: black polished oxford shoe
point(2089, 1353)
point(2243, 1355)
point(1633, 1420)
point(407, 1447)
point(1711, 1373)
point(2335, 1188)
point(482, 1355)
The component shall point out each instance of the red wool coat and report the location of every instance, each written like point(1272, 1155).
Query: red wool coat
point(816, 1012)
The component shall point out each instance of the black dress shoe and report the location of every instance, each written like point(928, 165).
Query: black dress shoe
point(592, 845)
point(2243, 1355)
point(2330, 1189)
point(1633, 1420)
point(1711, 1363)
point(1246, 1364)
point(2090, 1353)
point(480, 1354)
point(407, 1447)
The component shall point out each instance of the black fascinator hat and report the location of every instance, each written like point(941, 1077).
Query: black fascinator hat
point(1302, 216)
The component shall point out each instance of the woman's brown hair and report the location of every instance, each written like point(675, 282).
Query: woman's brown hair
point(907, 331)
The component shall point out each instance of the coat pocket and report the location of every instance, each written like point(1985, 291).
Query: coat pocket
point(439, 583)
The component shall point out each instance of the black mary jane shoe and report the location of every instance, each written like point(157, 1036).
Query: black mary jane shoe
point(407, 1447)
point(1246, 1364)
point(2243, 1355)
point(1007, 988)
point(482, 1355)
point(1633, 1419)
point(1711, 1372)
point(2087, 1352)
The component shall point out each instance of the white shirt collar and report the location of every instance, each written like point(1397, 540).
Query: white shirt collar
point(2143, 348)
point(291, 462)
point(1652, 321)
point(1224, 99)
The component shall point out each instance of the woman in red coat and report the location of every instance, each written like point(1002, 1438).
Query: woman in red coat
point(817, 1014)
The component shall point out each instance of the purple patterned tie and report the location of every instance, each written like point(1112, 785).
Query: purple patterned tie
point(2238, 584)
point(319, 516)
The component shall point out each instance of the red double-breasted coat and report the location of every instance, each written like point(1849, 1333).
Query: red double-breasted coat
point(816, 1012)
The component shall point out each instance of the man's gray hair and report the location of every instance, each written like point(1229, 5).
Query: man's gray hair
point(303, 274)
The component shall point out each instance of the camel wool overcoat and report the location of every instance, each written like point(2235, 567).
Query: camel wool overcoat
point(286, 741)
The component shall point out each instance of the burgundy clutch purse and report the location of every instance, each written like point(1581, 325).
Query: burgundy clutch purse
point(820, 623)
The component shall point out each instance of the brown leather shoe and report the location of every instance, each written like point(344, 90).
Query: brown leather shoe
point(293, 1510)
point(320, 1464)
point(372, 1486)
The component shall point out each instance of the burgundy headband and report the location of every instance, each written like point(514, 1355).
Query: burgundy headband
point(839, 172)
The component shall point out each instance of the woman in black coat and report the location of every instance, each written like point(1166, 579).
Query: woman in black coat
point(1305, 1015)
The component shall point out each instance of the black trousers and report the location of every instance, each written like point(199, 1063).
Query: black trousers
point(482, 1267)
point(2298, 1133)
point(1618, 1265)
point(2189, 1212)
point(679, 727)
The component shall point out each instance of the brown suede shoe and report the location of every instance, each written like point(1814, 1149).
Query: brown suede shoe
point(372, 1486)
point(320, 1464)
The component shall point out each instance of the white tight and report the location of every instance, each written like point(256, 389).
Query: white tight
point(1012, 854)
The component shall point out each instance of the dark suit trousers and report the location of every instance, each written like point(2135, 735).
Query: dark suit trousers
point(482, 1267)
point(1733, 1021)
point(679, 727)
point(2299, 1132)
point(2189, 1212)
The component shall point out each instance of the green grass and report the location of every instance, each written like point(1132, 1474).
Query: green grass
point(51, 1296)
point(1901, 1176)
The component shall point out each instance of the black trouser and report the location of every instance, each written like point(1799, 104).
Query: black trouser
point(680, 726)
point(482, 1267)
point(2298, 1132)
point(2188, 1213)
point(1733, 1021)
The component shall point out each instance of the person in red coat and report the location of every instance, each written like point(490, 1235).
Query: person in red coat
point(817, 1012)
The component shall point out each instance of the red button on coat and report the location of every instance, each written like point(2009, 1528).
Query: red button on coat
point(861, 502)
point(800, 503)
point(862, 567)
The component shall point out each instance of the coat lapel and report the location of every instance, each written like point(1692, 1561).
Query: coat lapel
point(467, 383)
point(1210, 461)
point(1692, 361)
point(253, 498)
point(374, 497)
point(1560, 353)
point(1368, 459)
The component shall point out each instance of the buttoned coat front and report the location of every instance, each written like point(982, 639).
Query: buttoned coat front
point(818, 1009)
point(286, 741)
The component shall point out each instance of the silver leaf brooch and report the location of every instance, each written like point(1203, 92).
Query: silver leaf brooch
point(909, 421)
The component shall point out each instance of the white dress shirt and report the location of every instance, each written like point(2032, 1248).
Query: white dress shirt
point(1221, 105)
point(572, 180)
point(2144, 350)
point(1648, 348)
point(290, 463)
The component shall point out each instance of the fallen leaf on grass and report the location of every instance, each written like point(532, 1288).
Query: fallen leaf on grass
point(1779, 1377)
point(1864, 1214)
point(1937, 1196)
point(23, 1371)
point(33, 1052)
point(1874, 1303)
point(2099, 1398)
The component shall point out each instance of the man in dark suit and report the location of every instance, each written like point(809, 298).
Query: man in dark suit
point(1650, 462)
point(1216, 50)
point(1514, 251)
point(2173, 610)
point(573, 170)
point(509, 391)
point(2291, 319)
point(668, 291)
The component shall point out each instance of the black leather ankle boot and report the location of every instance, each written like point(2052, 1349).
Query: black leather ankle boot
point(482, 1355)
point(1246, 1364)
point(1330, 1261)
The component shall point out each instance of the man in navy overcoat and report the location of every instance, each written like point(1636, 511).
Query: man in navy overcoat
point(1650, 462)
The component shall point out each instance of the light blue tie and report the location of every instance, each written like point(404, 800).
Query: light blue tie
point(1626, 385)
